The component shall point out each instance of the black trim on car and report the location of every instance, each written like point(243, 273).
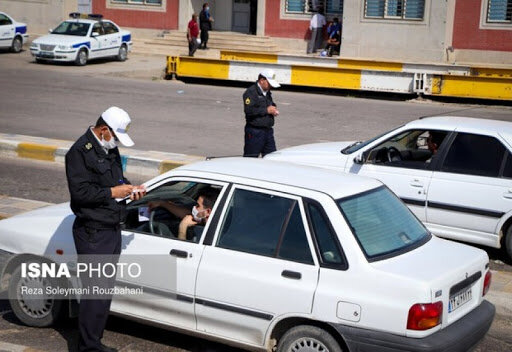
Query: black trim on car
point(410, 201)
point(208, 239)
point(458, 287)
point(229, 308)
point(156, 291)
point(113, 47)
point(483, 212)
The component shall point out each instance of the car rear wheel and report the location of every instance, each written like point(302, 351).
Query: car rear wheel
point(81, 58)
point(508, 242)
point(305, 338)
point(16, 45)
point(36, 308)
point(123, 53)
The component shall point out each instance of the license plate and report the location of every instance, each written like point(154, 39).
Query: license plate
point(459, 299)
point(47, 54)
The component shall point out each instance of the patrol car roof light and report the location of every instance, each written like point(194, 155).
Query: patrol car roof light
point(92, 16)
point(95, 16)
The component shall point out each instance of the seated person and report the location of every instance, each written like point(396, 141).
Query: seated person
point(434, 141)
point(334, 39)
point(190, 218)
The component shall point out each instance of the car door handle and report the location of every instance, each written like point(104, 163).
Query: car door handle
point(291, 274)
point(416, 183)
point(178, 253)
point(508, 194)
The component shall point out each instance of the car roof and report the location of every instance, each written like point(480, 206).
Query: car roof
point(463, 124)
point(333, 183)
point(85, 20)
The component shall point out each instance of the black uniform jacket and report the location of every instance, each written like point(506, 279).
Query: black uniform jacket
point(255, 107)
point(204, 21)
point(90, 173)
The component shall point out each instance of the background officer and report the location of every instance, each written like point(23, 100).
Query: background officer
point(260, 111)
point(95, 179)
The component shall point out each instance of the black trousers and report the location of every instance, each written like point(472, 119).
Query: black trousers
point(95, 248)
point(204, 37)
point(258, 141)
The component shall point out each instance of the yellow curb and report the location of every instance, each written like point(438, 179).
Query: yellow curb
point(36, 151)
point(167, 165)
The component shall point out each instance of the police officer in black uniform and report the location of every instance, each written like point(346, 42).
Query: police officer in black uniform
point(260, 111)
point(95, 179)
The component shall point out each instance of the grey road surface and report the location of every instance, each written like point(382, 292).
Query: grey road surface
point(59, 101)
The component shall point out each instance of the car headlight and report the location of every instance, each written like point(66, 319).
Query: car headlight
point(63, 47)
point(34, 46)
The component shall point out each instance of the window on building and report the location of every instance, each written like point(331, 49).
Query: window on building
point(139, 2)
point(308, 6)
point(499, 11)
point(395, 9)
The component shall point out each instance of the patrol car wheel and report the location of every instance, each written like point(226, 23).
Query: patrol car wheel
point(81, 58)
point(123, 53)
point(508, 242)
point(33, 309)
point(305, 338)
point(16, 45)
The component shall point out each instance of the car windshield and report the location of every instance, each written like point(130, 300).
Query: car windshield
point(382, 224)
point(72, 28)
point(354, 147)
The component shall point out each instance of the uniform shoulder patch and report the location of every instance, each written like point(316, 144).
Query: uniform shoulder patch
point(247, 101)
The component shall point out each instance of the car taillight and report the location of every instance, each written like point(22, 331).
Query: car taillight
point(424, 316)
point(487, 282)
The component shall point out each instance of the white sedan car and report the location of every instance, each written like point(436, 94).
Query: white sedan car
point(292, 258)
point(79, 40)
point(455, 173)
point(12, 34)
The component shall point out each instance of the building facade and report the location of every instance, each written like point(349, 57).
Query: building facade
point(447, 31)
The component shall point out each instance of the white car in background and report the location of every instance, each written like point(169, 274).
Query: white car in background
point(463, 191)
point(292, 258)
point(81, 39)
point(12, 34)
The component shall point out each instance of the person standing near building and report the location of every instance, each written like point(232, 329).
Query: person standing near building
point(260, 111)
point(192, 33)
point(316, 26)
point(205, 22)
point(95, 179)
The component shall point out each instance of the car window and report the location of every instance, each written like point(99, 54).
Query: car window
point(507, 171)
point(474, 154)
point(72, 28)
point(325, 238)
point(110, 28)
point(265, 224)
point(409, 149)
point(358, 145)
point(382, 224)
point(98, 28)
point(153, 216)
point(4, 20)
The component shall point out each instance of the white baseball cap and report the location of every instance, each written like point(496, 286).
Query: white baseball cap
point(119, 121)
point(270, 75)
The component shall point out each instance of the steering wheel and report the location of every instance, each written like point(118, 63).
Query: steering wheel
point(393, 154)
point(158, 228)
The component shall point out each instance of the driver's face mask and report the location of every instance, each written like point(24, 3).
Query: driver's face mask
point(195, 214)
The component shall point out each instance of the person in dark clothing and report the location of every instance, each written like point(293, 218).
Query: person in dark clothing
point(334, 39)
point(260, 111)
point(192, 33)
point(205, 22)
point(95, 179)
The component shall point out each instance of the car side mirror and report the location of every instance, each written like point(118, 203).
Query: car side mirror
point(50, 30)
point(361, 158)
point(95, 34)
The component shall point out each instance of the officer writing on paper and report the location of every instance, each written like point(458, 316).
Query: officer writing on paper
point(95, 179)
point(260, 111)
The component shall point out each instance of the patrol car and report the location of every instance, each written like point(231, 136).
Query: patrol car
point(455, 173)
point(12, 34)
point(81, 39)
point(292, 258)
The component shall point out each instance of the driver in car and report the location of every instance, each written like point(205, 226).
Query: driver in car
point(192, 220)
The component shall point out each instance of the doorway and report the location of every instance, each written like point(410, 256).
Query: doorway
point(244, 16)
point(84, 6)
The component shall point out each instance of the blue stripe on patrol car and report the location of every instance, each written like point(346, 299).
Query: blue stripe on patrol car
point(127, 37)
point(87, 44)
point(21, 29)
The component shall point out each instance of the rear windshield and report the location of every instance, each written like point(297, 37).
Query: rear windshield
point(72, 28)
point(382, 224)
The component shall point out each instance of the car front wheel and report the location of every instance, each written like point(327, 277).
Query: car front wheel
point(30, 302)
point(305, 338)
point(81, 58)
point(123, 53)
point(16, 45)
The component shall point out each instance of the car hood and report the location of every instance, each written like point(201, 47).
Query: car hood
point(60, 39)
point(316, 154)
point(40, 231)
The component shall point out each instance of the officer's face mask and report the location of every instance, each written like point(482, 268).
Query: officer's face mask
point(110, 144)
